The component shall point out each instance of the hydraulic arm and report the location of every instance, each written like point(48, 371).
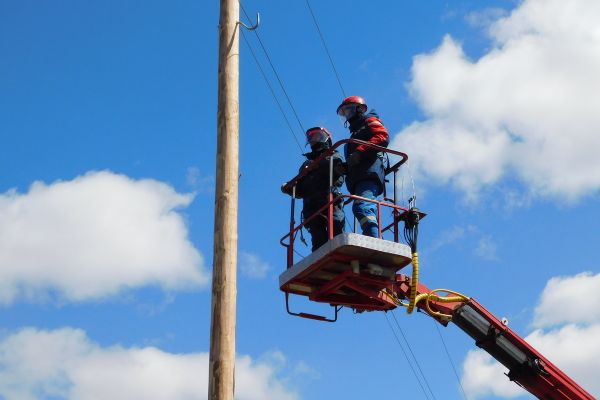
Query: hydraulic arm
point(526, 366)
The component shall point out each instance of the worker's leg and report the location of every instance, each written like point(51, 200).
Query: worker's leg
point(317, 227)
point(364, 211)
point(339, 220)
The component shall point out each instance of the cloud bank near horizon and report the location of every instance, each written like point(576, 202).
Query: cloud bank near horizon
point(65, 364)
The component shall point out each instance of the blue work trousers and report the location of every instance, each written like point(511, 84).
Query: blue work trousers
point(364, 211)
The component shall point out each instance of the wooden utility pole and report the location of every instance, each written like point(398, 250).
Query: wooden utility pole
point(224, 290)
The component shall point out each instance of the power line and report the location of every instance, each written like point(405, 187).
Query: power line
point(325, 46)
point(406, 357)
point(450, 359)
point(275, 72)
point(413, 355)
point(287, 121)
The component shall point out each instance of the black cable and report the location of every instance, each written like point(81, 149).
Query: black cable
point(413, 355)
point(326, 49)
point(299, 254)
point(272, 91)
point(411, 228)
point(275, 72)
point(450, 359)
point(406, 357)
point(348, 225)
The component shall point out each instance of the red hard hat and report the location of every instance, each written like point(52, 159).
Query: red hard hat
point(318, 134)
point(354, 100)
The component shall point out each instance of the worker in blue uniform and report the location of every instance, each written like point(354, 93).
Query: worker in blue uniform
point(313, 188)
point(365, 166)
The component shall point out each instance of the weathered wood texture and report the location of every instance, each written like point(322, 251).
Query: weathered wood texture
point(224, 290)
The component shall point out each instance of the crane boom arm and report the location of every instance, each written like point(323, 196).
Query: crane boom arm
point(527, 366)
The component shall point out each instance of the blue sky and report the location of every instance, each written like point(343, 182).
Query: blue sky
point(107, 131)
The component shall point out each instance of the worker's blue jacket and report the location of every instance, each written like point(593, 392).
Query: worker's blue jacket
point(369, 128)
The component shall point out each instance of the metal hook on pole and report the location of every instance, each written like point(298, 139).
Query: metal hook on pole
point(253, 27)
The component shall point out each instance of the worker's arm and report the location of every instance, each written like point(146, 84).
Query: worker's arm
point(378, 133)
point(288, 189)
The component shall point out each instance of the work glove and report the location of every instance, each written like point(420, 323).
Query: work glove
point(311, 166)
point(353, 159)
point(285, 189)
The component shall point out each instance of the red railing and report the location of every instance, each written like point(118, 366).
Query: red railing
point(391, 203)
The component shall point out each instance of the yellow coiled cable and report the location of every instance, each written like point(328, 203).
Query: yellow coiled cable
point(413, 283)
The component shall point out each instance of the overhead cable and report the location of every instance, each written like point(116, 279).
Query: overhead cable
point(408, 361)
point(275, 72)
point(450, 359)
point(326, 48)
point(287, 121)
point(413, 355)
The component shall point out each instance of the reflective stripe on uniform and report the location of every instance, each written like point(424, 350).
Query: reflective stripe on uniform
point(366, 219)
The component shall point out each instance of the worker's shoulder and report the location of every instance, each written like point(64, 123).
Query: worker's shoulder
point(373, 119)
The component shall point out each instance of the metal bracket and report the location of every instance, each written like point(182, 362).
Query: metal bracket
point(311, 316)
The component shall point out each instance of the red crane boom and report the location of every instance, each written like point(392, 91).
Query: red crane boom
point(527, 366)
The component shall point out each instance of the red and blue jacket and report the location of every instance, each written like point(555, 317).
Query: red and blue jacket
point(369, 128)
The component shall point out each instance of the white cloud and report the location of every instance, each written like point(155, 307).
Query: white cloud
point(253, 266)
point(485, 17)
point(199, 182)
point(483, 376)
point(569, 299)
point(573, 347)
point(528, 107)
point(65, 364)
point(487, 248)
point(94, 236)
point(447, 237)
